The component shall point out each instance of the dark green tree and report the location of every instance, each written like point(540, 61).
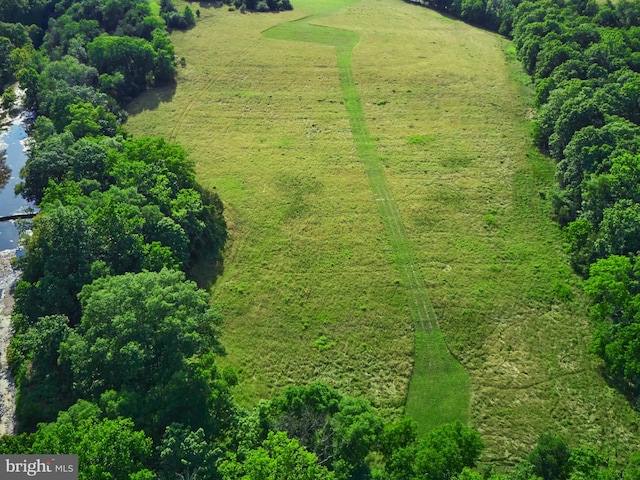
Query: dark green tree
point(341, 431)
point(185, 454)
point(550, 458)
point(55, 267)
point(446, 451)
point(145, 337)
point(134, 58)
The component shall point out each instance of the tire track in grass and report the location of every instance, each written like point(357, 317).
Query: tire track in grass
point(237, 60)
point(439, 390)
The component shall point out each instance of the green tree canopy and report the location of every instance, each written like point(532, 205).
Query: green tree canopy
point(278, 457)
point(141, 336)
point(107, 449)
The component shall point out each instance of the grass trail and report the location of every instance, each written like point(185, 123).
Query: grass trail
point(439, 390)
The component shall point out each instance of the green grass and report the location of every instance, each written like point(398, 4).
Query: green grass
point(307, 257)
point(313, 286)
point(435, 371)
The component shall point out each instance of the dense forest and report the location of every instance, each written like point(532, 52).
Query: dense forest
point(114, 349)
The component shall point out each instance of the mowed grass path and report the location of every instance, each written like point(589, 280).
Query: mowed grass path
point(311, 289)
point(439, 391)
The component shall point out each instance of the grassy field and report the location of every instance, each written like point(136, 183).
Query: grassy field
point(439, 390)
point(313, 286)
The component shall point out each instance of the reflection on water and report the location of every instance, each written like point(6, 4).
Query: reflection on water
point(12, 144)
point(5, 171)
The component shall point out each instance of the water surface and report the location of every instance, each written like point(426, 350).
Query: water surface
point(12, 144)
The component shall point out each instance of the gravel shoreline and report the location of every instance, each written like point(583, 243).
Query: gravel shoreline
point(8, 278)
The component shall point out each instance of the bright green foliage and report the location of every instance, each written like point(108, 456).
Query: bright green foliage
point(397, 435)
point(8, 98)
point(522, 471)
point(398, 446)
point(67, 36)
point(620, 229)
point(108, 206)
point(16, 444)
point(113, 227)
point(165, 69)
point(57, 265)
point(468, 474)
point(85, 120)
point(13, 37)
point(356, 429)
point(614, 287)
point(184, 453)
point(135, 206)
point(609, 286)
point(279, 457)
point(584, 463)
point(138, 161)
point(107, 449)
point(553, 459)
point(47, 162)
point(164, 174)
point(446, 451)
point(68, 70)
point(141, 336)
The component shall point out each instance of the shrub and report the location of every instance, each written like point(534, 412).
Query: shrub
point(8, 97)
point(262, 6)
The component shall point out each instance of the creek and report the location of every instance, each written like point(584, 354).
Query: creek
point(12, 157)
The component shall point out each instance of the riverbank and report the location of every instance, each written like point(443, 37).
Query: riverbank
point(13, 140)
point(8, 278)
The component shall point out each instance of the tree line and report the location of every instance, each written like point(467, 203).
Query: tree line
point(585, 62)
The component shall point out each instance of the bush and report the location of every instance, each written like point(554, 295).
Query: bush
point(550, 458)
point(8, 97)
point(262, 6)
point(189, 17)
point(175, 20)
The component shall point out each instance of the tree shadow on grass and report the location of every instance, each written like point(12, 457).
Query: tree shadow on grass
point(208, 263)
point(214, 4)
point(206, 269)
point(151, 99)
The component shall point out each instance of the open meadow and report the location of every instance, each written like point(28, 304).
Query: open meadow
point(372, 170)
